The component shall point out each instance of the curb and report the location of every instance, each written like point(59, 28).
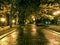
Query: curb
point(54, 31)
point(4, 35)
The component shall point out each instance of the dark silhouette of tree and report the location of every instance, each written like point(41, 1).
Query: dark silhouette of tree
point(26, 7)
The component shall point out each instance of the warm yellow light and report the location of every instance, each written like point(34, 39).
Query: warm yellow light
point(33, 17)
point(13, 21)
point(3, 19)
point(56, 13)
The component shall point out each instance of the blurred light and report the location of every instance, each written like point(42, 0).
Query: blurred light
point(3, 19)
point(47, 22)
point(56, 13)
point(33, 30)
point(13, 21)
point(33, 19)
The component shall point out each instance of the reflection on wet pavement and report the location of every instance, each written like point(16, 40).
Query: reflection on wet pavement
point(27, 35)
point(33, 28)
point(30, 35)
point(10, 39)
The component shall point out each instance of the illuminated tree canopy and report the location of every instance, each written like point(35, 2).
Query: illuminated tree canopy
point(27, 7)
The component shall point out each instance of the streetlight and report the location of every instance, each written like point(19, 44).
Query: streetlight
point(3, 19)
point(13, 21)
point(56, 14)
point(33, 17)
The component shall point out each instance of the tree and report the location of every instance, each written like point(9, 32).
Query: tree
point(49, 8)
point(26, 7)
